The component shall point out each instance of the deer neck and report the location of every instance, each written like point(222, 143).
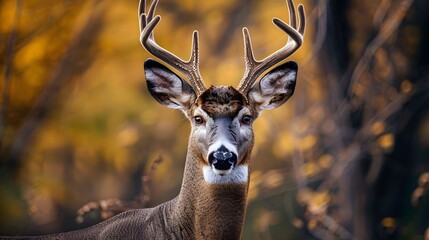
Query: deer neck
point(216, 211)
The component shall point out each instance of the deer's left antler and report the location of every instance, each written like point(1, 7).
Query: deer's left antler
point(255, 68)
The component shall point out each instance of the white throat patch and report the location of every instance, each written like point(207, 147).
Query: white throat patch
point(238, 175)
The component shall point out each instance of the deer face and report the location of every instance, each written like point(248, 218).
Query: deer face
point(222, 127)
point(222, 117)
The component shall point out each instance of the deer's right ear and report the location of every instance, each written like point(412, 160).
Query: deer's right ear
point(166, 87)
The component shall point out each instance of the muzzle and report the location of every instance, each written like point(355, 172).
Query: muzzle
point(222, 160)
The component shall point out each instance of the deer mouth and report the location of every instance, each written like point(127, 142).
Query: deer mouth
point(222, 161)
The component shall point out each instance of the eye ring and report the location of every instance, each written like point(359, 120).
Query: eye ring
point(199, 120)
point(246, 119)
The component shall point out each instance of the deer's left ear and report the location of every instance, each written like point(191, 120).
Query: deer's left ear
point(275, 88)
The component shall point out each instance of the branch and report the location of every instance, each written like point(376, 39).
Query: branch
point(110, 207)
point(386, 30)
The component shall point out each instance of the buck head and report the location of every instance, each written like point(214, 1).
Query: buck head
point(222, 117)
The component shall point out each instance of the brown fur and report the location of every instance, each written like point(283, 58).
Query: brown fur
point(221, 101)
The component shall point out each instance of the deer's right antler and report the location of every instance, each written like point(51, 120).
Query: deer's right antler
point(189, 68)
point(255, 68)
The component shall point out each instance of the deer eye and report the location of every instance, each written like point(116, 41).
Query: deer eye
point(246, 119)
point(199, 120)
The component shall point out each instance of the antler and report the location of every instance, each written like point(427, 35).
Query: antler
point(255, 68)
point(189, 68)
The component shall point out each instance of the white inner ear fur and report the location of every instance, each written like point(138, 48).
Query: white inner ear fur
point(173, 88)
point(271, 85)
point(181, 100)
point(239, 174)
point(276, 82)
point(174, 84)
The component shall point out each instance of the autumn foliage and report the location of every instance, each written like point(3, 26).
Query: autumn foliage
point(345, 158)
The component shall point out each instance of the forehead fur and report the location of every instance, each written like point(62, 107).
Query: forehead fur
point(221, 101)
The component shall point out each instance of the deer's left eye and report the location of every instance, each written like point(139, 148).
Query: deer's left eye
point(199, 120)
point(246, 119)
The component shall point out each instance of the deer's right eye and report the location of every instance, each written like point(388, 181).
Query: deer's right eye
point(199, 120)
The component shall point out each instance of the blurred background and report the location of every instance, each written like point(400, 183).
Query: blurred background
point(346, 158)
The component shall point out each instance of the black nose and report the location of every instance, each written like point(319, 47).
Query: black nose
point(222, 159)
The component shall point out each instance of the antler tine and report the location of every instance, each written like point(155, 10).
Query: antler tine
point(255, 68)
point(152, 9)
point(301, 19)
point(189, 68)
point(292, 13)
point(141, 15)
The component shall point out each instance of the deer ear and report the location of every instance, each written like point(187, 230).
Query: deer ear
point(275, 88)
point(166, 87)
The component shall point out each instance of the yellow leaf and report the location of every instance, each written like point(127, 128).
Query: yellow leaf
point(386, 141)
point(320, 198)
point(424, 180)
point(406, 86)
point(308, 142)
point(128, 136)
point(326, 161)
point(388, 222)
point(312, 224)
point(309, 169)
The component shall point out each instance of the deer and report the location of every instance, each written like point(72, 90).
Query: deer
point(212, 200)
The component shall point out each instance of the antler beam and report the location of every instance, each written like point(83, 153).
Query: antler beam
point(189, 68)
point(255, 68)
